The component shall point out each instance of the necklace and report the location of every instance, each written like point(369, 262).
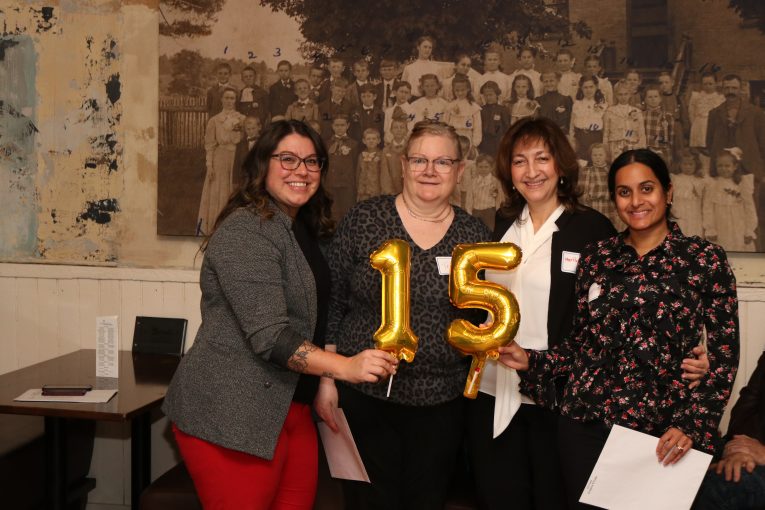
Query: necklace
point(422, 218)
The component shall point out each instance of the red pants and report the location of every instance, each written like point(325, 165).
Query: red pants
point(231, 480)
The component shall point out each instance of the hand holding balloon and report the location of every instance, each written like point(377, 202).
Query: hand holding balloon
point(466, 290)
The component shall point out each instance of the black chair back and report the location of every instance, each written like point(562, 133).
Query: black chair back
point(159, 335)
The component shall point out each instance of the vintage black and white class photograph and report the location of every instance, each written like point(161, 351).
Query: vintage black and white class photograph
point(614, 76)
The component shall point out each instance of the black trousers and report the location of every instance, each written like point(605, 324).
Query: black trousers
point(580, 446)
point(409, 452)
point(518, 470)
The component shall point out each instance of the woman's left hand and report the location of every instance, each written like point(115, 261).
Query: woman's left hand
point(695, 368)
point(673, 445)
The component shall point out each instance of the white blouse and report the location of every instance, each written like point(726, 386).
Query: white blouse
point(530, 283)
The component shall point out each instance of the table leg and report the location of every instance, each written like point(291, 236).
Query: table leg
point(55, 463)
point(140, 457)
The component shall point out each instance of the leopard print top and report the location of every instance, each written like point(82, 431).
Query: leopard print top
point(438, 372)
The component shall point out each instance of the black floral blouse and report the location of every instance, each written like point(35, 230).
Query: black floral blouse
point(637, 318)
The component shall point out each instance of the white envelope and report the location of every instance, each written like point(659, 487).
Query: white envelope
point(628, 476)
point(342, 455)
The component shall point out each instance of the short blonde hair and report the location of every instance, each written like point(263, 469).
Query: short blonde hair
point(434, 128)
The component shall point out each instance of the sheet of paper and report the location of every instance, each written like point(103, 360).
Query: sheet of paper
point(340, 448)
point(92, 397)
point(107, 347)
point(628, 476)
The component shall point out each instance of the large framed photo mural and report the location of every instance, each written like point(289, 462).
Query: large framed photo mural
point(685, 78)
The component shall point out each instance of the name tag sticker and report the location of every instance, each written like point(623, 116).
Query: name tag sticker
point(444, 265)
point(593, 293)
point(568, 261)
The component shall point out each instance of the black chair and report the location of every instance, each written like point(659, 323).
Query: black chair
point(159, 335)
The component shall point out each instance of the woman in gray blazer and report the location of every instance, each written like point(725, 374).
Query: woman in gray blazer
point(240, 400)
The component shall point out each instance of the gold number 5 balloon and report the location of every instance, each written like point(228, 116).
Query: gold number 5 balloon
point(466, 290)
point(393, 260)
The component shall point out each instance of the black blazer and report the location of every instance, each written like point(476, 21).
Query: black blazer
point(748, 415)
point(576, 229)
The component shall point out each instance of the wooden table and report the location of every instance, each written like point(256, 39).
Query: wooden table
point(141, 387)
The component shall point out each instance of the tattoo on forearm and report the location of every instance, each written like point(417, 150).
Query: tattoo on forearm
point(328, 374)
point(298, 362)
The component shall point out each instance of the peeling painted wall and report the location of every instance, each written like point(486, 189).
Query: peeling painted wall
point(78, 96)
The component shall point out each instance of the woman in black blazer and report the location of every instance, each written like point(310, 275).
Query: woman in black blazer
point(241, 399)
point(512, 441)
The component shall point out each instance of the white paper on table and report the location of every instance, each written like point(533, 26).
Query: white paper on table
point(629, 476)
point(92, 397)
point(340, 448)
point(107, 347)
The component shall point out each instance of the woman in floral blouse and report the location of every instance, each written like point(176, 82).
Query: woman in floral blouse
point(644, 298)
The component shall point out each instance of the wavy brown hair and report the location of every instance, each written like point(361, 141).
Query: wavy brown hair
point(253, 196)
point(530, 130)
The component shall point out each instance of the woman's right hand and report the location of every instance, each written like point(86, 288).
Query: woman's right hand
point(370, 365)
point(514, 356)
point(325, 402)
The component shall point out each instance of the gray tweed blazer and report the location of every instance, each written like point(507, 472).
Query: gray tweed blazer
point(258, 305)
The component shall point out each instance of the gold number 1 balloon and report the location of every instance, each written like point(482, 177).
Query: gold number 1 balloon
point(393, 260)
point(466, 290)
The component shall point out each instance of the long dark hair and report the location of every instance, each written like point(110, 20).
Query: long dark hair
point(546, 131)
point(316, 214)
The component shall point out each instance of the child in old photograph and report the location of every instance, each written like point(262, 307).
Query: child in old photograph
point(729, 214)
point(369, 166)
point(252, 99)
point(214, 93)
point(552, 104)
point(462, 67)
point(402, 110)
point(463, 112)
point(360, 78)
point(495, 119)
point(252, 127)
point(485, 193)
point(334, 106)
point(593, 185)
point(634, 81)
point(592, 67)
point(430, 106)
point(569, 79)
point(316, 80)
point(367, 115)
point(304, 108)
point(623, 124)
point(281, 94)
point(465, 185)
point(387, 86)
point(689, 185)
point(491, 72)
point(521, 103)
point(659, 124)
point(390, 173)
point(587, 117)
point(527, 60)
point(343, 158)
point(699, 105)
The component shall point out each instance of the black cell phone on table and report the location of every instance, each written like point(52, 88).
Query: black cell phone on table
point(65, 390)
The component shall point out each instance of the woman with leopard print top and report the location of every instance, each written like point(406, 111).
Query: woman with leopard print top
point(409, 441)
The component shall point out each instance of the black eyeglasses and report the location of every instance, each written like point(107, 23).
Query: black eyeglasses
point(442, 165)
point(291, 161)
